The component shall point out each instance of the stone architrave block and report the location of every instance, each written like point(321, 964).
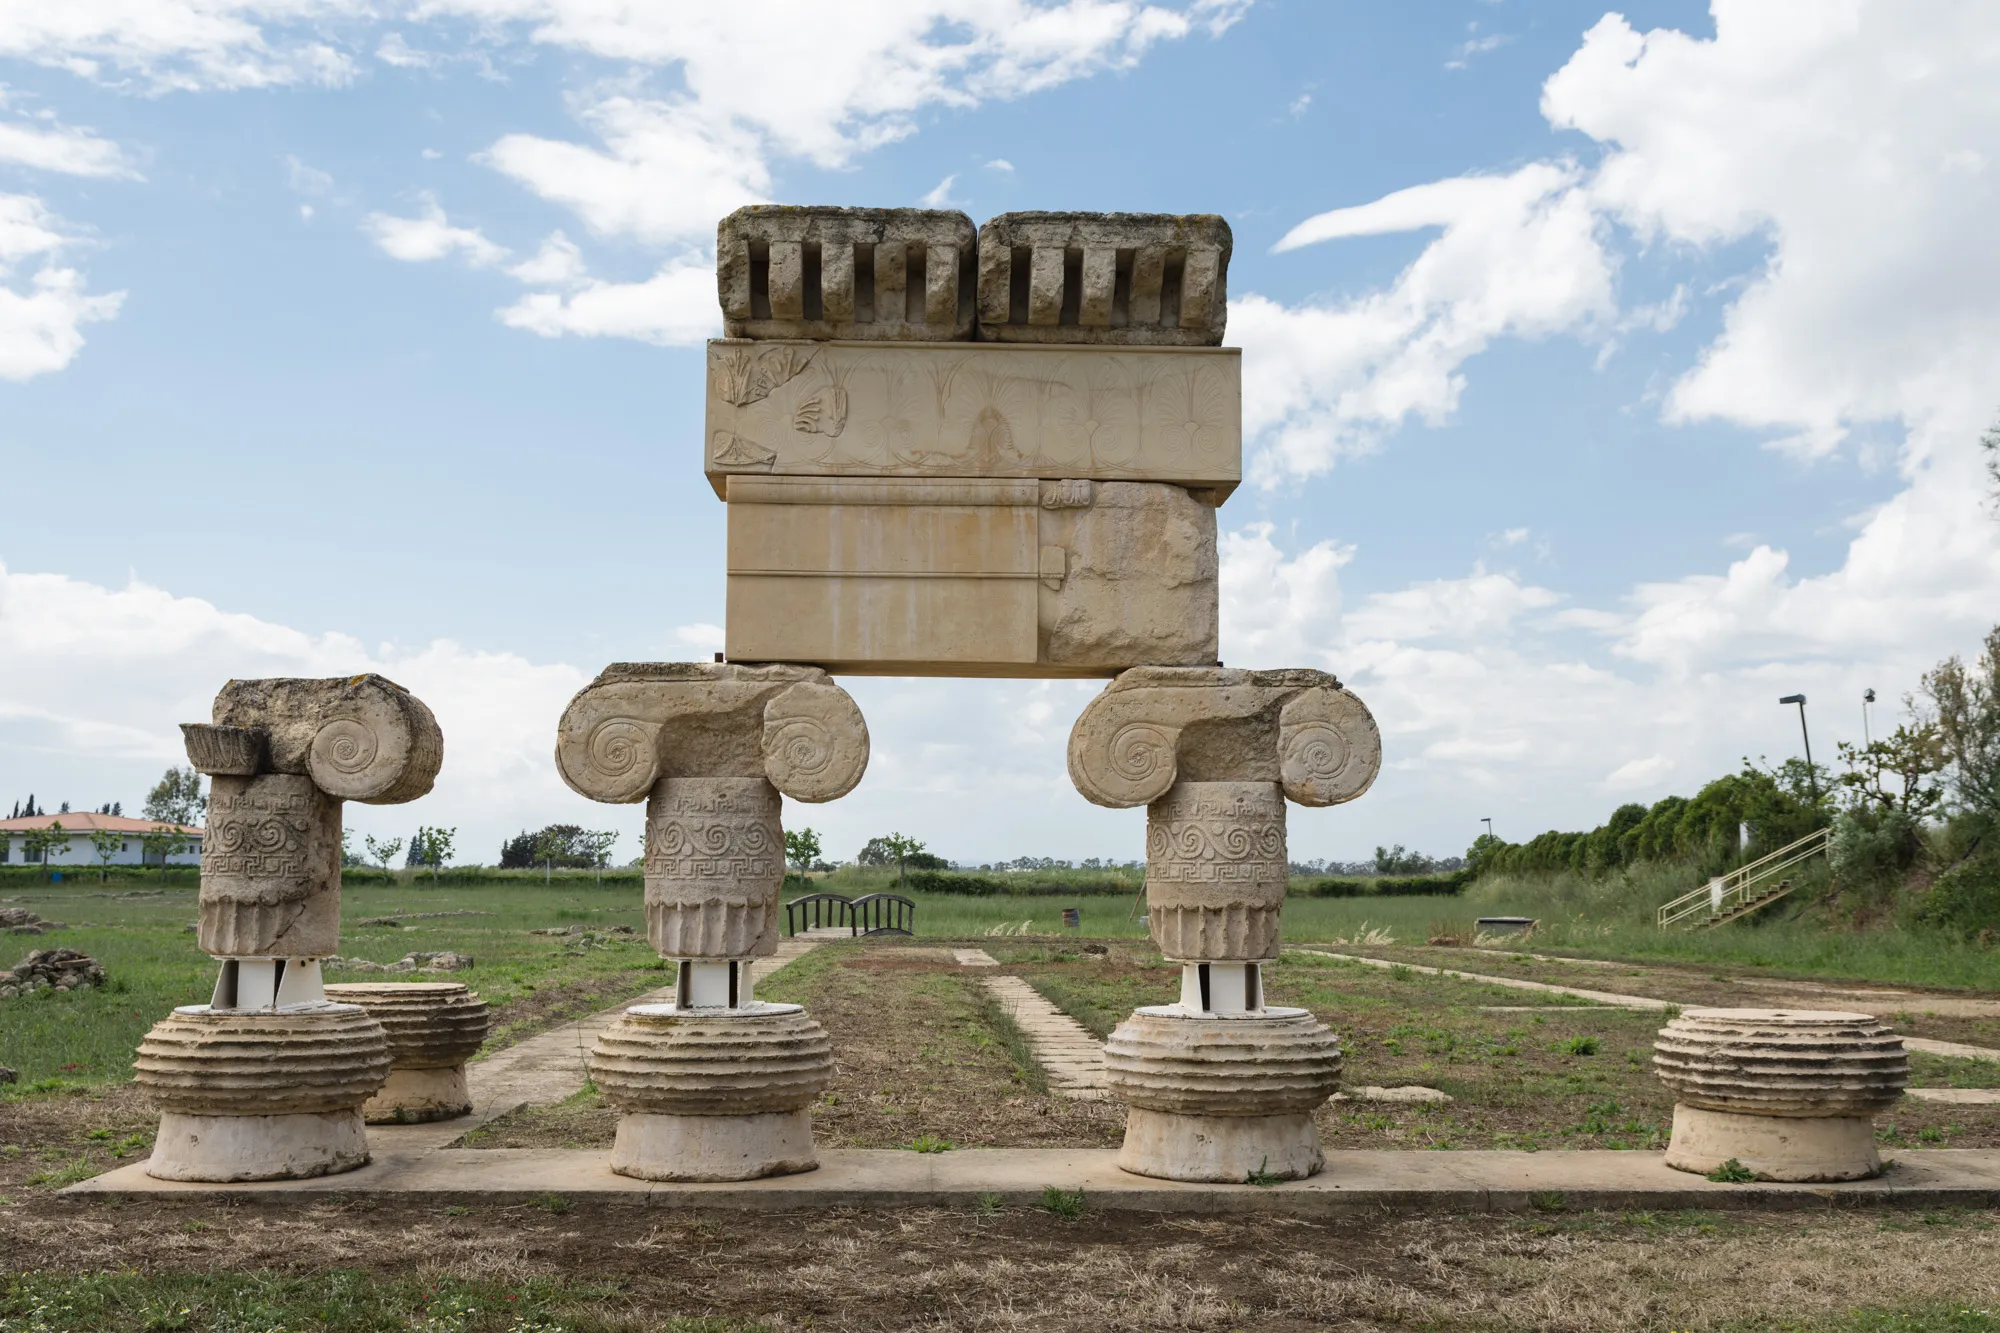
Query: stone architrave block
point(976, 410)
point(977, 578)
point(1137, 279)
point(876, 274)
point(282, 754)
point(709, 747)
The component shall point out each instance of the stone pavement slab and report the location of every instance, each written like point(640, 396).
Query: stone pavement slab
point(1353, 1181)
point(1070, 1053)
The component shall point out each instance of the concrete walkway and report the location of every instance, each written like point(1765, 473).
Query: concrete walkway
point(549, 1066)
point(1072, 1055)
point(1353, 1182)
point(1612, 1000)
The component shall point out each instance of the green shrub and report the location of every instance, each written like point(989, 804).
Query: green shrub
point(1966, 898)
point(1873, 846)
point(1382, 886)
point(950, 881)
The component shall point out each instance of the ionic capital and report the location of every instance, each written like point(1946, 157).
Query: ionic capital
point(641, 721)
point(1300, 728)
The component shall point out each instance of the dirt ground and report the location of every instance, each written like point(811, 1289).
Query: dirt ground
point(553, 1265)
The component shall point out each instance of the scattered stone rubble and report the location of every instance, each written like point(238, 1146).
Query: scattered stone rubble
point(21, 921)
point(51, 969)
point(446, 960)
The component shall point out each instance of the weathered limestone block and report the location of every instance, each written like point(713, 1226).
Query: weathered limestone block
point(1791, 1094)
point(1219, 1097)
point(897, 274)
point(270, 869)
point(715, 867)
point(989, 577)
point(282, 755)
point(976, 410)
point(1135, 278)
point(639, 722)
point(360, 738)
point(434, 1027)
point(263, 1095)
point(1216, 870)
point(1155, 725)
point(715, 1095)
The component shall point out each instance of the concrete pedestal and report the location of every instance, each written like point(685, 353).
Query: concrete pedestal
point(713, 1093)
point(418, 1096)
point(1221, 1097)
point(714, 1147)
point(227, 1148)
point(272, 1094)
point(1225, 1149)
point(1788, 1148)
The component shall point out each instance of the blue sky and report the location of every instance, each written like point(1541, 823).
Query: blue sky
point(337, 338)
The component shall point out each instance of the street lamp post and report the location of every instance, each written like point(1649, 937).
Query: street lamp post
point(1812, 777)
point(1488, 821)
point(1867, 697)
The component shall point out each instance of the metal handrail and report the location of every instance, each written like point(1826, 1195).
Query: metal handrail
point(1726, 892)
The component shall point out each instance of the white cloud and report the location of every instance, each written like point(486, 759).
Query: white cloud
point(1463, 55)
point(430, 236)
point(1299, 105)
point(1520, 256)
point(702, 637)
point(72, 152)
point(1000, 164)
point(674, 307)
point(186, 45)
point(94, 680)
point(41, 315)
point(939, 195)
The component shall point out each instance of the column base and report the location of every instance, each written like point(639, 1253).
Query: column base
point(223, 1149)
point(1788, 1148)
point(653, 1146)
point(1224, 1149)
point(418, 1096)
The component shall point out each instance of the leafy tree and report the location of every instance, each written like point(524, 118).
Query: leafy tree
point(556, 846)
point(1899, 772)
point(1990, 442)
point(802, 848)
point(106, 844)
point(1398, 861)
point(897, 850)
point(164, 841)
point(348, 859)
point(382, 853)
point(1966, 701)
point(596, 845)
point(45, 844)
point(433, 847)
point(177, 798)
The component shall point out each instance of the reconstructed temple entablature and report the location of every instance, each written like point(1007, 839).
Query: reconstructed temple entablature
point(1030, 493)
point(715, 1086)
point(267, 1081)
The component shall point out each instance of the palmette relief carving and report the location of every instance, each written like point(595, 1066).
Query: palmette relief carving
point(981, 410)
point(1154, 725)
point(639, 722)
point(715, 863)
point(747, 374)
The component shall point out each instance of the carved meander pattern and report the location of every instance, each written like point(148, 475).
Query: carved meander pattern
point(960, 414)
point(258, 833)
point(1216, 833)
point(696, 834)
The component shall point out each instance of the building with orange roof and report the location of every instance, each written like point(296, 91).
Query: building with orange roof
point(81, 853)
